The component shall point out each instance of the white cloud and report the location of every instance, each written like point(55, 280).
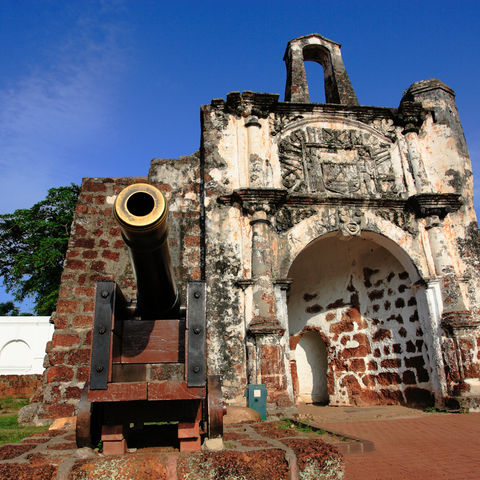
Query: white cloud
point(65, 103)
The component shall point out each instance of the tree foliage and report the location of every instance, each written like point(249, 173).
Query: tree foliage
point(33, 243)
point(8, 309)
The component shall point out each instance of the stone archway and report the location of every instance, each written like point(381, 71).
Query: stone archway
point(360, 299)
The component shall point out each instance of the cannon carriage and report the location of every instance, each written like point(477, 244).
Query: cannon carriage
point(148, 358)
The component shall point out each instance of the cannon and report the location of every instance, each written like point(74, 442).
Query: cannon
point(148, 357)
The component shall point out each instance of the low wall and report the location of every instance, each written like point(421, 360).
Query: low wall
point(22, 344)
point(20, 386)
point(23, 341)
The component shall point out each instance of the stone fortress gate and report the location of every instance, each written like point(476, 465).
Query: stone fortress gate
point(338, 241)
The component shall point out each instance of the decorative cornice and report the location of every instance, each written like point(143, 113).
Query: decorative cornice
point(434, 204)
point(298, 200)
point(265, 326)
point(459, 321)
point(249, 103)
point(244, 283)
point(254, 199)
point(282, 197)
point(410, 116)
point(283, 283)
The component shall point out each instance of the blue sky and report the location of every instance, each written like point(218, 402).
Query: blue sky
point(100, 87)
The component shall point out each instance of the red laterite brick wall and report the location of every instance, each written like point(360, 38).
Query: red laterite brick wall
point(96, 252)
point(19, 386)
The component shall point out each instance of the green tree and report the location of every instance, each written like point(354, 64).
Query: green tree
point(33, 243)
point(8, 308)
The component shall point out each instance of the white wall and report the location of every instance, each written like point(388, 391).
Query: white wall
point(22, 344)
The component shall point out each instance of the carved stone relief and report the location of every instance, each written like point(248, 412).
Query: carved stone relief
point(280, 122)
point(287, 217)
point(404, 220)
point(385, 127)
point(348, 220)
point(343, 162)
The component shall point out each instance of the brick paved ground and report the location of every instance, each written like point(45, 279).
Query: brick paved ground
point(434, 447)
point(409, 444)
point(255, 452)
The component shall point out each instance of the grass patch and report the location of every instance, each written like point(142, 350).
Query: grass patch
point(289, 424)
point(10, 430)
point(434, 410)
point(12, 405)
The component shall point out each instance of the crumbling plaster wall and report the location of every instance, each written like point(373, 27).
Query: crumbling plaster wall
point(227, 234)
point(260, 155)
point(444, 150)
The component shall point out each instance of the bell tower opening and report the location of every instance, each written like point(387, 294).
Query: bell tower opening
point(318, 49)
point(315, 79)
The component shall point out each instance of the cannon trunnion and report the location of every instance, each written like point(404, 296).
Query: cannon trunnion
point(148, 362)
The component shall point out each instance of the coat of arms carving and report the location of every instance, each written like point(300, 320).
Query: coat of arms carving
point(345, 162)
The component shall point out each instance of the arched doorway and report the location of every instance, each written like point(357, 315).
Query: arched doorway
point(311, 358)
point(360, 298)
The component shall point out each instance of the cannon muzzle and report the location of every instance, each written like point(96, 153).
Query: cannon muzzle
point(141, 211)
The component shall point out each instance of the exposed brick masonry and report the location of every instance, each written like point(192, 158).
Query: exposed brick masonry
point(97, 252)
point(19, 385)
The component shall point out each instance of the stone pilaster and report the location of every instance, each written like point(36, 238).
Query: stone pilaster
point(265, 328)
point(410, 117)
point(431, 301)
point(266, 362)
point(456, 318)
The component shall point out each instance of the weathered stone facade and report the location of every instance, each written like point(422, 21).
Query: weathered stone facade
point(338, 242)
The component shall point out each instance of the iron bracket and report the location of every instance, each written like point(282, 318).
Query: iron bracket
point(196, 334)
point(102, 335)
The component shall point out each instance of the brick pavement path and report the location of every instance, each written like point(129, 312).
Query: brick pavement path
point(435, 447)
point(255, 452)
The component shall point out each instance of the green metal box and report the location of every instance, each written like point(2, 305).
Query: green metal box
point(257, 399)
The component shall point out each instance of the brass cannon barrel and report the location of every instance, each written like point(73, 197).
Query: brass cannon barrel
point(141, 211)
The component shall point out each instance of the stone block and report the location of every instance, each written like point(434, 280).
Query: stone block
point(213, 444)
point(114, 447)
